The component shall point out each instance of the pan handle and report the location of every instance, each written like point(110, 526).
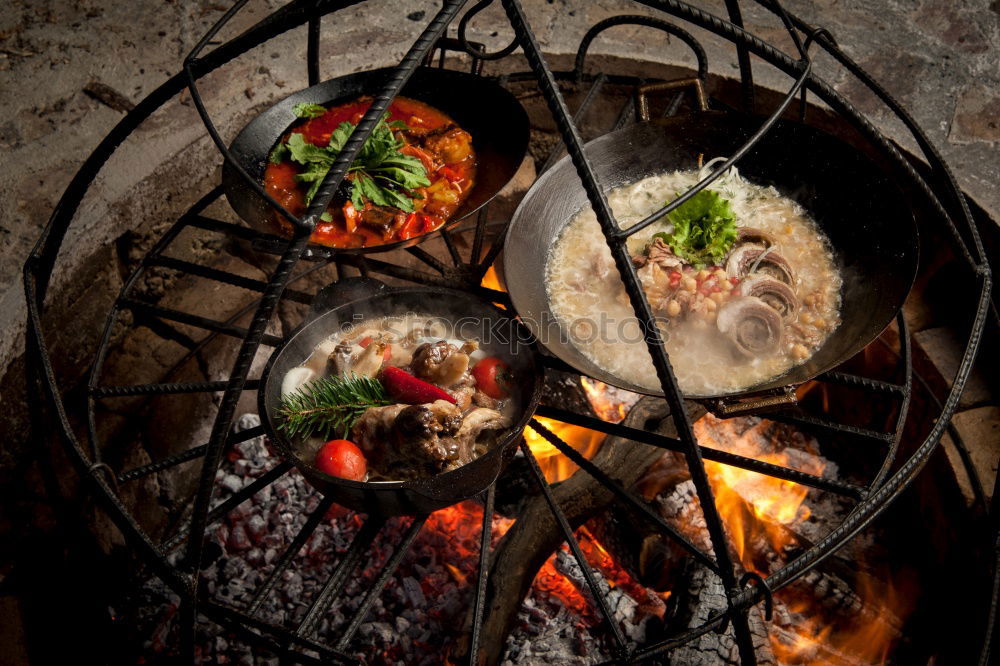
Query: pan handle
point(642, 106)
point(727, 407)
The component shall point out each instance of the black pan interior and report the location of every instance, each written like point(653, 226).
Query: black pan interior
point(855, 203)
point(496, 121)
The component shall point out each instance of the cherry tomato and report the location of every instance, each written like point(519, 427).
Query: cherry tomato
point(343, 459)
point(386, 355)
point(492, 377)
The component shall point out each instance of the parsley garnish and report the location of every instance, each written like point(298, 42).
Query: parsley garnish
point(704, 229)
point(379, 173)
point(308, 110)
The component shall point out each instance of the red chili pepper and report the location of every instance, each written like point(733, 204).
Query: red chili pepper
point(451, 174)
point(430, 223)
point(411, 227)
point(404, 387)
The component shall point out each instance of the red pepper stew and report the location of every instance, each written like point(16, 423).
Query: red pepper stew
point(442, 146)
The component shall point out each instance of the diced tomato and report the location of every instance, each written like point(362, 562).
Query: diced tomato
point(343, 459)
point(493, 377)
point(386, 355)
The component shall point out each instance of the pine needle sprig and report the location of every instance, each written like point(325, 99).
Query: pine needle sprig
point(331, 405)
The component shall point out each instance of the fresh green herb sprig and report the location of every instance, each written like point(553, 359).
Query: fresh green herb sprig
point(379, 173)
point(704, 229)
point(330, 406)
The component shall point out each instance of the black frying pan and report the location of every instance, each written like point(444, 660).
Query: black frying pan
point(418, 496)
point(491, 115)
point(856, 205)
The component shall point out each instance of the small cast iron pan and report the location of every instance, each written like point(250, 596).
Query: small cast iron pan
point(856, 205)
point(419, 496)
point(496, 121)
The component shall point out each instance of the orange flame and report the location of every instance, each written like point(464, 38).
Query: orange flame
point(491, 281)
point(753, 506)
point(555, 465)
point(603, 405)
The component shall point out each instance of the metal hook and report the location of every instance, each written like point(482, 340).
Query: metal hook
point(816, 33)
point(762, 584)
point(469, 47)
point(108, 471)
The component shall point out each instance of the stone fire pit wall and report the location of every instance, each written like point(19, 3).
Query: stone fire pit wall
point(70, 70)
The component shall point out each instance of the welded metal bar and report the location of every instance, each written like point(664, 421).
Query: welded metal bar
point(230, 229)
point(479, 603)
point(621, 647)
point(904, 407)
point(873, 385)
point(376, 587)
point(312, 49)
point(184, 456)
point(338, 578)
point(478, 235)
point(236, 620)
point(639, 19)
point(595, 88)
point(225, 277)
point(449, 243)
point(833, 426)
point(306, 531)
point(125, 390)
point(234, 500)
point(622, 494)
point(743, 58)
point(138, 307)
point(428, 258)
point(734, 460)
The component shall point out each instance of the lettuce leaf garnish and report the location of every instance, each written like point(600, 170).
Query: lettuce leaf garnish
point(704, 228)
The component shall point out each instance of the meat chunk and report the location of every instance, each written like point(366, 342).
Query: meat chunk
point(440, 363)
point(453, 145)
point(384, 219)
point(411, 441)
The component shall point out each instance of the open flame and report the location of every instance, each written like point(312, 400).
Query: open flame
point(755, 508)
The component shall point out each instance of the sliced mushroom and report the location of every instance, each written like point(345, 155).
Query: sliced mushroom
point(440, 363)
point(754, 327)
point(752, 258)
point(477, 428)
point(775, 293)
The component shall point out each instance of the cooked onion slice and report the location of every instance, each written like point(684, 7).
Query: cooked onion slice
point(752, 325)
point(775, 293)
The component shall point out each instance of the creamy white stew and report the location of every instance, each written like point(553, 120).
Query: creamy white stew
point(732, 319)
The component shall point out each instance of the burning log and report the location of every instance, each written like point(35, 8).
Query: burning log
point(536, 535)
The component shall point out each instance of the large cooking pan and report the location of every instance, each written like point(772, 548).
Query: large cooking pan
point(496, 121)
point(856, 205)
point(425, 495)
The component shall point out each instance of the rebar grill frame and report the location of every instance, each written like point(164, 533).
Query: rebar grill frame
point(942, 198)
